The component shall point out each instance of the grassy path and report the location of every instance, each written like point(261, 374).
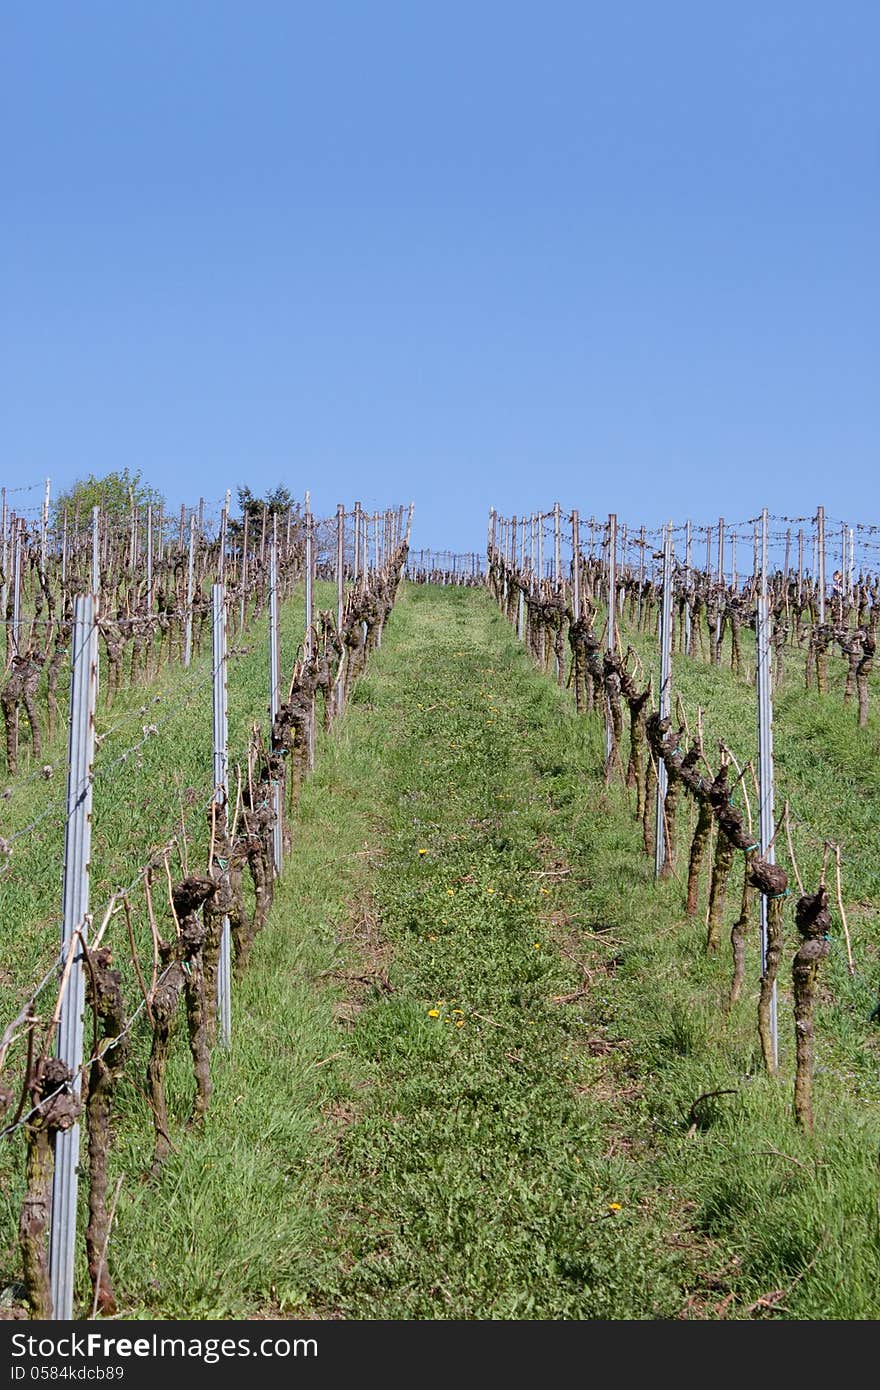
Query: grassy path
point(399, 1131)
point(523, 1142)
point(468, 1047)
point(474, 1181)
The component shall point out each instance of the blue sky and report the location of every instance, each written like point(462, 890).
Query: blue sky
point(623, 255)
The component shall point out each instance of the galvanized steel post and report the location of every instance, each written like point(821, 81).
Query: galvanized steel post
point(719, 580)
point(221, 558)
point(187, 649)
point(96, 553)
point(357, 541)
point(75, 921)
point(340, 564)
point(765, 758)
point(221, 793)
point(309, 645)
point(820, 545)
point(275, 688)
point(610, 632)
point(44, 526)
point(521, 601)
point(244, 570)
point(149, 559)
point(687, 587)
point(612, 581)
point(660, 846)
point(17, 562)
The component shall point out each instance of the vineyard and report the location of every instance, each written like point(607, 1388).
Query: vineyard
point(204, 854)
point(697, 610)
point(441, 936)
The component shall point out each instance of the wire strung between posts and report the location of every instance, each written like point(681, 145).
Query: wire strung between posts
point(102, 770)
point(11, 1129)
point(9, 1036)
point(118, 897)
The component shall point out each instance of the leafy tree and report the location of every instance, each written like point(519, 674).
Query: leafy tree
point(278, 499)
point(114, 494)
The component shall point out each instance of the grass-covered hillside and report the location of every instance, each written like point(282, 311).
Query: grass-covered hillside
point(482, 1066)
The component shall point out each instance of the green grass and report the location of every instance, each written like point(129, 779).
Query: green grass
point(139, 796)
point(139, 801)
point(492, 1153)
point(462, 1082)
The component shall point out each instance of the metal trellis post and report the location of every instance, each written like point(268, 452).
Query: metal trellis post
point(75, 919)
point(96, 552)
point(765, 758)
point(820, 545)
point(44, 525)
point(660, 846)
point(612, 580)
point(275, 687)
point(244, 569)
point(719, 579)
point(187, 649)
point(340, 563)
point(221, 793)
point(687, 587)
point(149, 559)
point(4, 557)
point(309, 645)
point(17, 562)
point(357, 541)
point(610, 630)
point(221, 557)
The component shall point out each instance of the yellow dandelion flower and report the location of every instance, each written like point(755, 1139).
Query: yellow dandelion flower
point(458, 1011)
point(450, 892)
point(423, 851)
point(459, 1023)
point(490, 890)
point(433, 1013)
point(614, 1206)
point(545, 891)
point(537, 945)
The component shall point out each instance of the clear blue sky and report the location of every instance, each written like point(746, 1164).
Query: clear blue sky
point(624, 255)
